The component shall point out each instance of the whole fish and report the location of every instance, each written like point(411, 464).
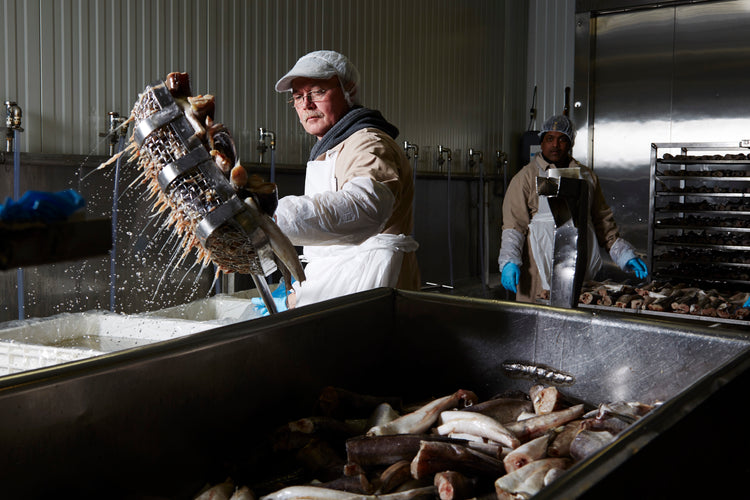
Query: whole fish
point(477, 424)
point(436, 456)
point(221, 491)
point(317, 493)
point(501, 409)
point(422, 419)
point(507, 486)
point(370, 451)
point(588, 442)
point(536, 426)
point(560, 446)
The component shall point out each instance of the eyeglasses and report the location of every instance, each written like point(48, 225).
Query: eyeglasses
point(313, 95)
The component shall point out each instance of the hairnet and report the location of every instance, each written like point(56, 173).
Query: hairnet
point(323, 64)
point(559, 123)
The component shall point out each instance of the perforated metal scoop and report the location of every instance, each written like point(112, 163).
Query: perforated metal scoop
point(204, 208)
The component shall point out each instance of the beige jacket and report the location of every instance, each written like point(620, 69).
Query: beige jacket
point(521, 204)
point(372, 153)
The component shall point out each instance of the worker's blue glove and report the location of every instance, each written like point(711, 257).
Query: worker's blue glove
point(638, 267)
point(279, 298)
point(747, 303)
point(510, 276)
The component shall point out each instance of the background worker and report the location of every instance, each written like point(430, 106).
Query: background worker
point(355, 217)
point(527, 244)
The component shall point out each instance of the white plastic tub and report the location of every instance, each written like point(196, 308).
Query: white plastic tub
point(15, 357)
point(36, 343)
point(220, 309)
point(41, 342)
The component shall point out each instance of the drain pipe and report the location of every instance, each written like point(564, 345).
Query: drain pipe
point(413, 147)
point(502, 167)
point(12, 124)
point(115, 120)
point(481, 219)
point(447, 161)
point(13, 131)
point(117, 131)
point(262, 148)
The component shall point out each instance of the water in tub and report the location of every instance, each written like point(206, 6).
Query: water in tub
point(100, 331)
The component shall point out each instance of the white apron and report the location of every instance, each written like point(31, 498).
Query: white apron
point(542, 231)
point(336, 270)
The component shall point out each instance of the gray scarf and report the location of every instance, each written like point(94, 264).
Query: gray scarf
point(355, 119)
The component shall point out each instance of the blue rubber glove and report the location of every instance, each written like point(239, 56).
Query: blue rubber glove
point(279, 298)
point(747, 303)
point(510, 276)
point(638, 267)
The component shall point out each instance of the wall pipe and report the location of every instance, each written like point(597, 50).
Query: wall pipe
point(447, 151)
point(13, 131)
point(413, 147)
point(480, 200)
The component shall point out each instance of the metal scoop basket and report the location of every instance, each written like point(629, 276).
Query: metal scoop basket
point(203, 206)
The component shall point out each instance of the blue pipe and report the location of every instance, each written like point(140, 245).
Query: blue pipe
point(115, 203)
point(16, 196)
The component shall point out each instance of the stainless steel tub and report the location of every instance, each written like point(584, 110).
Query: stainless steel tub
point(162, 420)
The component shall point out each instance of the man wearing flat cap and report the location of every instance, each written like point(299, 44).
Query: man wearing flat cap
point(355, 218)
point(527, 244)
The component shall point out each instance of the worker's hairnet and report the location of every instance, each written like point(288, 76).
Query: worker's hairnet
point(559, 123)
point(323, 64)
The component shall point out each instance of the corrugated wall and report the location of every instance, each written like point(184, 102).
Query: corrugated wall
point(444, 71)
point(551, 57)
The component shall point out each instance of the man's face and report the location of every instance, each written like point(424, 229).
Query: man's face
point(319, 104)
point(555, 147)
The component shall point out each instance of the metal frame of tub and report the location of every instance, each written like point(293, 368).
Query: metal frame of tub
point(162, 420)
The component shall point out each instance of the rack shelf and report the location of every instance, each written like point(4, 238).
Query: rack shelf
point(699, 213)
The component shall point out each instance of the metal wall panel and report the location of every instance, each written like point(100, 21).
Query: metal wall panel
point(436, 68)
point(671, 74)
point(551, 52)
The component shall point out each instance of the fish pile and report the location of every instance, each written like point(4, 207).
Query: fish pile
point(706, 238)
point(453, 447)
point(707, 189)
point(707, 206)
point(698, 222)
point(701, 256)
point(728, 156)
point(666, 297)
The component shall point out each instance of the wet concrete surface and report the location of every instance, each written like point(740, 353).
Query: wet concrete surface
point(472, 287)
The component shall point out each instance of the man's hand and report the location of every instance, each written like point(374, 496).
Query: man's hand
point(279, 298)
point(510, 276)
point(638, 267)
point(265, 194)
